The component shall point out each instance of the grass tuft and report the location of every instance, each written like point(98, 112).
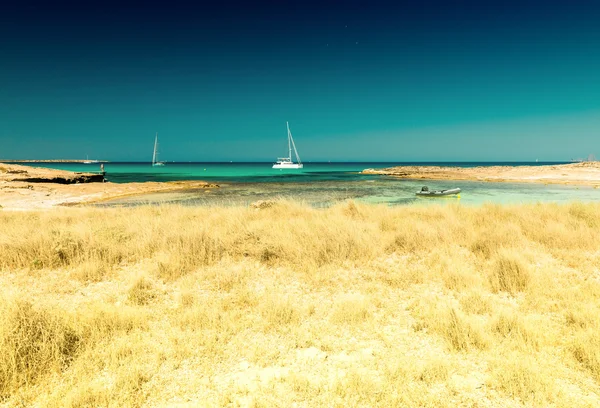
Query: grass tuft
point(510, 273)
point(585, 347)
point(142, 291)
point(33, 342)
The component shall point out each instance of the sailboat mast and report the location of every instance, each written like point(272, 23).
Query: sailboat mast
point(295, 151)
point(289, 140)
point(155, 144)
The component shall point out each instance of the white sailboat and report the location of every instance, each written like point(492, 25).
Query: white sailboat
point(88, 161)
point(155, 161)
point(286, 162)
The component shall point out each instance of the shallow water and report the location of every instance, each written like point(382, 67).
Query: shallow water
point(371, 189)
point(320, 184)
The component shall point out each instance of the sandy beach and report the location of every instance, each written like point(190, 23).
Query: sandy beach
point(585, 173)
point(29, 188)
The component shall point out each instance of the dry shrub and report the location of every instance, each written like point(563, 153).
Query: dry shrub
point(434, 371)
point(204, 314)
point(558, 235)
point(242, 297)
point(188, 251)
point(33, 342)
point(330, 241)
point(187, 298)
point(88, 396)
point(279, 311)
point(270, 255)
point(90, 271)
point(99, 321)
point(510, 273)
point(452, 265)
point(511, 326)
point(570, 227)
point(460, 331)
point(418, 236)
point(352, 210)
point(351, 309)
point(68, 248)
point(456, 278)
point(586, 213)
point(226, 278)
point(358, 389)
point(585, 347)
point(123, 363)
point(171, 270)
point(303, 385)
point(494, 237)
point(142, 291)
point(410, 380)
point(402, 277)
point(583, 316)
point(387, 224)
point(521, 376)
point(475, 303)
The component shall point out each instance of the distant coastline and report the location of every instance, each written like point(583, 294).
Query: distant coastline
point(583, 173)
point(53, 161)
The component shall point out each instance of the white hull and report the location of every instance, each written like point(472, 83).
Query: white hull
point(440, 193)
point(288, 166)
point(88, 161)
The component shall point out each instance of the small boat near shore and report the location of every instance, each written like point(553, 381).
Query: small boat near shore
point(425, 192)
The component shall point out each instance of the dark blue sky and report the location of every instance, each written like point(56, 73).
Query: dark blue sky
point(358, 80)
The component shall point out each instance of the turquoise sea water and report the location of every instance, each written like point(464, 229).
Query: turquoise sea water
point(320, 184)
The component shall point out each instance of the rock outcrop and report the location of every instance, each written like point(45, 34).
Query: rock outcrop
point(587, 173)
point(14, 172)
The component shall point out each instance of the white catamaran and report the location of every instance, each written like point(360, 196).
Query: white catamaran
point(155, 161)
point(286, 162)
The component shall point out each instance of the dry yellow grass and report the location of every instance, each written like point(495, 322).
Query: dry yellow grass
point(355, 305)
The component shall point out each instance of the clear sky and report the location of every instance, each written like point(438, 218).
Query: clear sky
point(357, 80)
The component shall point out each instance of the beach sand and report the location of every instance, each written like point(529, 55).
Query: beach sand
point(19, 192)
point(586, 173)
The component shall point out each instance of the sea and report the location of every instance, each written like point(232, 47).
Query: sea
point(321, 184)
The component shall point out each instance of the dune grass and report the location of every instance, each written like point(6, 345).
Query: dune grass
point(286, 305)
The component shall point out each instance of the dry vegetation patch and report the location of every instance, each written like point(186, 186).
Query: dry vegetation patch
point(285, 305)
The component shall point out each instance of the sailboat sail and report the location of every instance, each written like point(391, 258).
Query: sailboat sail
point(155, 161)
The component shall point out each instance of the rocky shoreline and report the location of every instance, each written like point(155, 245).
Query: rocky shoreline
point(27, 188)
point(586, 173)
point(52, 161)
point(27, 174)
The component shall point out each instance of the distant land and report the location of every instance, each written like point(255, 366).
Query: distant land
point(52, 161)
